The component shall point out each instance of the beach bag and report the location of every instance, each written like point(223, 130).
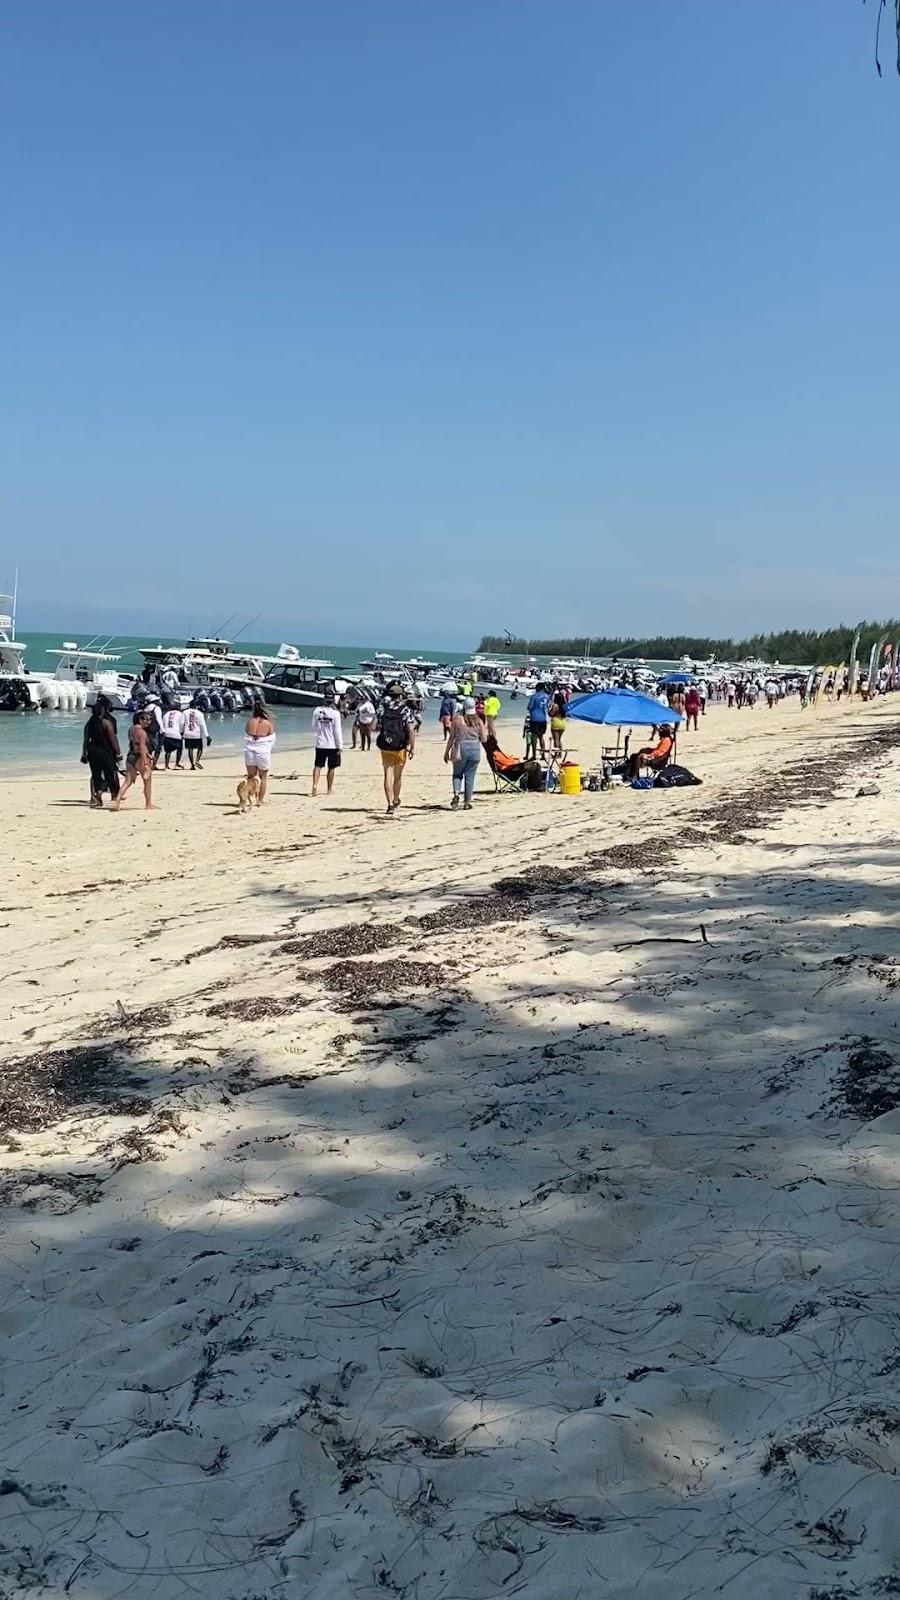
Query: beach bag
point(673, 777)
point(393, 729)
point(642, 783)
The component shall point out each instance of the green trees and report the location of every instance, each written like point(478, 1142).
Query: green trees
point(829, 646)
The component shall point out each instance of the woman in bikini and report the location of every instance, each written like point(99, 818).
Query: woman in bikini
point(138, 762)
point(260, 737)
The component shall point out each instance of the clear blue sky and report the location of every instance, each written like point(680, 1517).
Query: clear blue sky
point(405, 319)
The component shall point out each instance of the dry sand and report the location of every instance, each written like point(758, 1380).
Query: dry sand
point(419, 1207)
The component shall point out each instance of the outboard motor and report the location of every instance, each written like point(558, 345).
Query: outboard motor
point(229, 701)
point(201, 701)
point(215, 700)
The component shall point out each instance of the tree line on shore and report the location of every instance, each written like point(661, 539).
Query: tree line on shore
point(827, 647)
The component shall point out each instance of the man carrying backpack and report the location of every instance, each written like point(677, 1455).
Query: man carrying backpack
point(396, 741)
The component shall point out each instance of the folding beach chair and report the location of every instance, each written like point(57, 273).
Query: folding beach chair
point(502, 782)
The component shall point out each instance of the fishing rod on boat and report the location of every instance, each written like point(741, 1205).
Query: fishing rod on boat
point(248, 624)
point(218, 633)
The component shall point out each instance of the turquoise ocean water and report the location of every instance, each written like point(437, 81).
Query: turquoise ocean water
point(48, 741)
point(51, 740)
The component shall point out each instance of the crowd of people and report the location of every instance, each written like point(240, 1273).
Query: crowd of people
point(161, 731)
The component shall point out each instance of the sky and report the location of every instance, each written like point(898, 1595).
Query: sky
point(408, 320)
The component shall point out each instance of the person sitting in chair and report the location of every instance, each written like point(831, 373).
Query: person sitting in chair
point(528, 774)
point(653, 756)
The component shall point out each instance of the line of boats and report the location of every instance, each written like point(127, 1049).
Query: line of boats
point(211, 667)
point(227, 678)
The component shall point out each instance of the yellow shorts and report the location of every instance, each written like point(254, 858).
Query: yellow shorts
point(558, 724)
point(393, 758)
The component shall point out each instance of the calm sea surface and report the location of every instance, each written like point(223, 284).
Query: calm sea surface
point(50, 740)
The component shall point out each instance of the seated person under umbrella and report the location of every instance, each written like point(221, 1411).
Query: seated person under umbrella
point(653, 756)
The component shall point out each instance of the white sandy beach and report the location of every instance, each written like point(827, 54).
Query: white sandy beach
point(371, 1229)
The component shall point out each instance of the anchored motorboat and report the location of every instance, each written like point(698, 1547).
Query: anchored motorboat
point(287, 678)
point(82, 673)
point(18, 690)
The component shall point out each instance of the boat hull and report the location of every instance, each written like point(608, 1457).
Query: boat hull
point(277, 694)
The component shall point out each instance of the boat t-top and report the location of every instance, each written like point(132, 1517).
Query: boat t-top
point(81, 674)
point(18, 691)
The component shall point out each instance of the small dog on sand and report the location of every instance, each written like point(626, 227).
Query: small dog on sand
point(247, 792)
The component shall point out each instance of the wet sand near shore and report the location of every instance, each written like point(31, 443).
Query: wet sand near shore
point(451, 1205)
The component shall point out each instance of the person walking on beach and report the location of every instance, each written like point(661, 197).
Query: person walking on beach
point(329, 737)
point(536, 715)
point(446, 713)
point(692, 707)
point(154, 728)
point(365, 721)
point(396, 741)
point(467, 735)
point(173, 734)
point(771, 692)
point(138, 762)
point(492, 712)
point(196, 735)
point(258, 741)
point(676, 699)
point(100, 751)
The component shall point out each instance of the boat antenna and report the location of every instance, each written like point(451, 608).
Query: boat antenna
point(15, 600)
point(224, 624)
point(247, 625)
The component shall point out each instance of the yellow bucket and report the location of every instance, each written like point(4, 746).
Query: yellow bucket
point(570, 779)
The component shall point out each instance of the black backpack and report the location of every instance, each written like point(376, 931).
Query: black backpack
point(673, 777)
point(393, 734)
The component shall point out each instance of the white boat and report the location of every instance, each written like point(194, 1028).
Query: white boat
point(18, 689)
point(81, 674)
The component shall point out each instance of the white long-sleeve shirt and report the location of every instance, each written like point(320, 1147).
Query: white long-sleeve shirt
point(327, 727)
point(195, 724)
point(173, 724)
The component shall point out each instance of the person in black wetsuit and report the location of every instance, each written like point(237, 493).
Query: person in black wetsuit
point(100, 751)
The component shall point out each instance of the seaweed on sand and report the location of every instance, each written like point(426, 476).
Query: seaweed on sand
point(257, 1008)
point(58, 1193)
point(868, 1085)
point(356, 939)
point(37, 1091)
point(357, 982)
point(476, 911)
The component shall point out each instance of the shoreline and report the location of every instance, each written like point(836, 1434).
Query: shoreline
point(482, 1201)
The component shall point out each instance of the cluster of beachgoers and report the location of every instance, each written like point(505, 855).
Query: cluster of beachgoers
point(164, 733)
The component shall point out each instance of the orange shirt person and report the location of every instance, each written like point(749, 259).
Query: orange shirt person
point(651, 755)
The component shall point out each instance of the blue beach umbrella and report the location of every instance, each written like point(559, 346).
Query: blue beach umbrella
point(621, 708)
point(677, 677)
